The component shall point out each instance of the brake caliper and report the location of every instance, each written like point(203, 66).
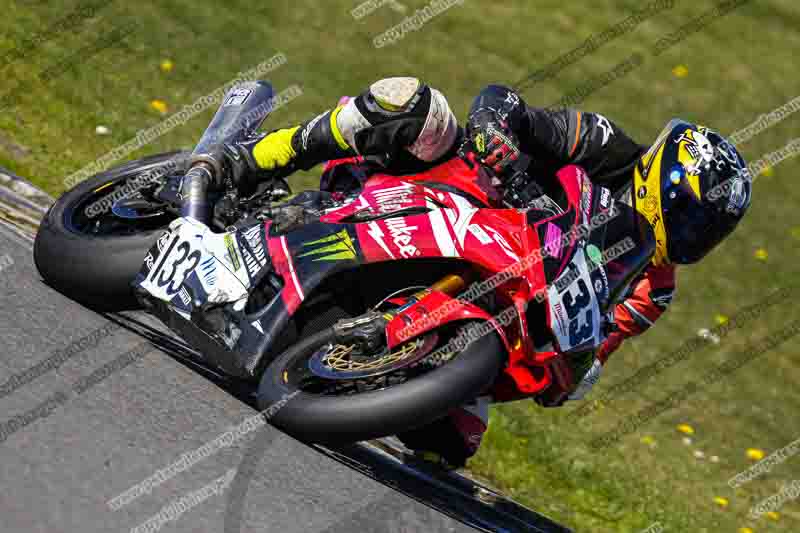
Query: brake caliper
point(367, 332)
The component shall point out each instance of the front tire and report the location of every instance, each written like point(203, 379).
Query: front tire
point(332, 419)
point(95, 269)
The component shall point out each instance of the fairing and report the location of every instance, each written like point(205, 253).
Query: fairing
point(445, 214)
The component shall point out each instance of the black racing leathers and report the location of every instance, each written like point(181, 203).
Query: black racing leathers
point(555, 138)
point(550, 138)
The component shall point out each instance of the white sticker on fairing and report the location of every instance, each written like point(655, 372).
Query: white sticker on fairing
point(480, 234)
point(605, 198)
point(256, 260)
point(403, 236)
point(503, 243)
point(162, 241)
point(237, 97)
point(393, 198)
point(446, 244)
point(574, 312)
point(191, 246)
point(460, 217)
point(184, 296)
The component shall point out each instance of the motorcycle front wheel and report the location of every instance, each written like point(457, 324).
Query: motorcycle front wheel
point(313, 409)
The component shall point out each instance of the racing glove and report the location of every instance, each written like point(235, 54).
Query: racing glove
point(275, 149)
point(245, 161)
point(493, 142)
point(288, 149)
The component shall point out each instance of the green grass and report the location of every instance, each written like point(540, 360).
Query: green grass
point(739, 67)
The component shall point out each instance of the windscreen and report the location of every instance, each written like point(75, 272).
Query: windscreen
point(242, 111)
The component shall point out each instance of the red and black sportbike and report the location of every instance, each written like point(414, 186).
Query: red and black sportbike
point(362, 313)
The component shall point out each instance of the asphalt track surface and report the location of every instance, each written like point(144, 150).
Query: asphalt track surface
point(68, 445)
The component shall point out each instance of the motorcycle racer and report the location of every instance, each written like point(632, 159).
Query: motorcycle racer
point(400, 125)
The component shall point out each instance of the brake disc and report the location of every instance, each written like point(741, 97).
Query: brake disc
point(342, 362)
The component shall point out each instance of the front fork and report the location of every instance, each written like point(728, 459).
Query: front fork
point(194, 193)
point(369, 330)
point(451, 285)
point(523, 355)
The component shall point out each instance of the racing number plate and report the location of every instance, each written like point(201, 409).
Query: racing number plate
point(574, 311)
point(179, 257)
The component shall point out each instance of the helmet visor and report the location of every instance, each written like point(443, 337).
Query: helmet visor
point(694, 228)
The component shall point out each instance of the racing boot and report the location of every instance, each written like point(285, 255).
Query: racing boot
point(448, 442)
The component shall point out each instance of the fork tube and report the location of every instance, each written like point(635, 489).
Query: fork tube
point(194, 192)
point(451, 284)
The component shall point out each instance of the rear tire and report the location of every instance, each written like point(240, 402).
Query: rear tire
point(333, 419)
point(94, 270)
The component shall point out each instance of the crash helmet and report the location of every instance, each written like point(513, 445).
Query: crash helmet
point(693, 187)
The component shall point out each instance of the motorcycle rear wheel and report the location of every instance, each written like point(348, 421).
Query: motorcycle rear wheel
point(337, 419)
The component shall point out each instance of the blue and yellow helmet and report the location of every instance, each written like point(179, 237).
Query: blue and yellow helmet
point(693, 187)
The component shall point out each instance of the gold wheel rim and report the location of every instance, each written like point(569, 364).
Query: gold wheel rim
point(338, 358)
